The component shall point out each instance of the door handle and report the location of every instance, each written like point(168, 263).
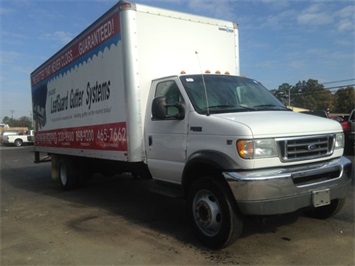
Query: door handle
point(150, 140)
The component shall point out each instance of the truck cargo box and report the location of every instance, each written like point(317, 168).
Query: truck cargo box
point(89, 99)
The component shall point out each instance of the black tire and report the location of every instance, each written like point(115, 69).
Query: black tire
point(141, 174)
point(326, 211)
point(213, 215)
point(67, 174)
point(83, 173)
point(18, 142)
point(349, 146)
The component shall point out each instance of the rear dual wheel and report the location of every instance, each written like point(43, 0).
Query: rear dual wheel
point(67, 174)
point(72, 173)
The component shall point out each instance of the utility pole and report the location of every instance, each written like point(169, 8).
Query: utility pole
point(12, 113)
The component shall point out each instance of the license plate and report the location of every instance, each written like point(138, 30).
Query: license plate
point(321, 197)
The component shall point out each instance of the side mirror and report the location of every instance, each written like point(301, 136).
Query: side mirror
point(161, 110)
point(181, 111)
point(158, 108)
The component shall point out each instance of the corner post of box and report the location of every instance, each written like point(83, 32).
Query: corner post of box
point(130, 53)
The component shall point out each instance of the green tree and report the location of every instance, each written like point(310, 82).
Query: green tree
point(282, 93)
point(23, 121)
point(6, 120)
point(311, 95)
point(344, 100)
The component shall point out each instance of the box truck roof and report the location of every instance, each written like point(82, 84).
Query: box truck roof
point(102, 29)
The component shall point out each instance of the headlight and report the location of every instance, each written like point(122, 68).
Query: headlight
point(339, 141)
point(257, 148)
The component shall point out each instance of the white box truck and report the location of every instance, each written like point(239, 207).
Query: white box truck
point(157, 93)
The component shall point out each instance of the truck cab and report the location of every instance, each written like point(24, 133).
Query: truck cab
point(233, 149)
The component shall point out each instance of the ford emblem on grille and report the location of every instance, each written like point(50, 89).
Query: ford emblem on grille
point(311, 147)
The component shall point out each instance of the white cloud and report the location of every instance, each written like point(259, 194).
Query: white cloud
point(346, 18)
point(12, 38)
point(218, 9)
point(61, 36)
point(321, 14)
point(345, 25)
point(315, 15)
point(9, 57)
point(278, 4)
point(348, 11)
point(298, 64)
point(5, 10)
point(281, 20)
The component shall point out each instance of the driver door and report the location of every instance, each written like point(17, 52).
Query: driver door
point(166, 136)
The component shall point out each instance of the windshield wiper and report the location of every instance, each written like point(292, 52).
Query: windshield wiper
point(221, 106)
point(273, 107)
point(246, 108)
point(230, 108)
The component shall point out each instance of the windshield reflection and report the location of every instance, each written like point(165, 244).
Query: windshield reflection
point(225, 94)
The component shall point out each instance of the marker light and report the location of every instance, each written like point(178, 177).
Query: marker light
point(207, 72)
point(218, 72)
point(125, 6)
point(182, 72)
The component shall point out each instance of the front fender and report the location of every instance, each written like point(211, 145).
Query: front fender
point(217, 159)
point(206, 163)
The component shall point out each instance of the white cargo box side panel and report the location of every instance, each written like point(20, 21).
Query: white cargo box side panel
point(78, 95)
point(170, 42)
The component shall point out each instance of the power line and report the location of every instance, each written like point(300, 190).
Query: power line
point(337, 81)
point(337, 87)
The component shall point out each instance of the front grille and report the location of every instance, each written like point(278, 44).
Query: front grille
point(304, 148)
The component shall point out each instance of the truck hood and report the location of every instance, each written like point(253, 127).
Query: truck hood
point(282, 123)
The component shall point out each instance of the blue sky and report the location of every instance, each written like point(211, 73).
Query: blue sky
point(280, 41)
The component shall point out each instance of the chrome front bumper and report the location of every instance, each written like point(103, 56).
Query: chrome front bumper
point(284, 190)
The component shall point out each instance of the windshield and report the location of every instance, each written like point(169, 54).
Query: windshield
point(225, 94)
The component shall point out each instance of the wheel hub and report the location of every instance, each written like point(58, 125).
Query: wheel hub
point(204, 213)
point(207, 213)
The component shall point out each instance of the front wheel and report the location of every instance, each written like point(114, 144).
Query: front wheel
point(215, 220)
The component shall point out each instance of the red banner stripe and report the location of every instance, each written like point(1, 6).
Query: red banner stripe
point(97, 137)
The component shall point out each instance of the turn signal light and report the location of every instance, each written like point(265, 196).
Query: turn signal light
point(245, 149)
